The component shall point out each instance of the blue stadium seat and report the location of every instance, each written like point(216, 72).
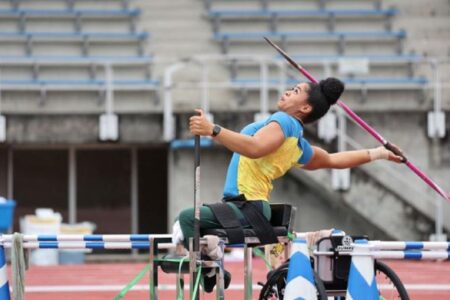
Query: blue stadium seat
point(372, 58)
point(45, 13)
point(273, 15)
point(73, 36)
point(84, 38)
point(67, 59)
point(81, 84)
point(69, 3)
point(226, 37)
point(26, 17)
point(265, 3)
point(351, 83)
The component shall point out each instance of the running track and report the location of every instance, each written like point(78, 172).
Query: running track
point(423, 279)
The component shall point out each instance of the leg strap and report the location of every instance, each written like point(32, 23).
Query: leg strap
point(262, 227)
point(229, 221)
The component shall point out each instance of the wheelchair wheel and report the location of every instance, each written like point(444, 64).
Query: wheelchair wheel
point(388, 283)
point(276, 283)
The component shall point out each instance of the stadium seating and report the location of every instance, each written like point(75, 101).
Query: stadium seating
point(77, 19)
point(40, 39)
point(264, 4)
point(273, 16)
point(338, 38)
point(348, 31)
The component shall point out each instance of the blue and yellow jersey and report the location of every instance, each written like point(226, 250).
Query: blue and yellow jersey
point(253, 177)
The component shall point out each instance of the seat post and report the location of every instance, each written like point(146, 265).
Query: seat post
point(248, 272)
point(153, 270)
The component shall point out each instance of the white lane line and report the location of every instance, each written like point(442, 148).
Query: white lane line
point(419, 287)
point(113, 288)
point(171, 287)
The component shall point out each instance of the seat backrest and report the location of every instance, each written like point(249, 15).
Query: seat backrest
point(281, 214)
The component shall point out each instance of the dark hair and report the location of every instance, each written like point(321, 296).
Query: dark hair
point(321, 96)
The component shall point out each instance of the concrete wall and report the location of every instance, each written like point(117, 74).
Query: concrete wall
point(79, 129)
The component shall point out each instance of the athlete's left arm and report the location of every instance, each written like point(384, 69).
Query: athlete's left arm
point(321, 159)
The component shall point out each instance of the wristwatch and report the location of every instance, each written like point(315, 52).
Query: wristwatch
point(216, 130)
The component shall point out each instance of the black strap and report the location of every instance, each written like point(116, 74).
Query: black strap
point(262, 227)
point(229, 221)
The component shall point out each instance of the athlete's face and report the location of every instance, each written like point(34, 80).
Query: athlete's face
point(295, 101)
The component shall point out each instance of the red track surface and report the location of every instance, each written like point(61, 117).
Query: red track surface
point(98, 275)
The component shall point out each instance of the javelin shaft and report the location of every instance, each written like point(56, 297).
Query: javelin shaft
point(366, 126)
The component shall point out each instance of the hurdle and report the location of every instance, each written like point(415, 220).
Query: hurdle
point(361, 280)
point(76, 242)
point(117, 241)
point(408, 250)
point(151, 242)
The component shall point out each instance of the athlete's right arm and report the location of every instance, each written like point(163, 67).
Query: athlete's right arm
point(265, 141)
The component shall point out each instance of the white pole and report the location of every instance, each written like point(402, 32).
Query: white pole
point(439, 213)
point(169, 130)
point(109, 89)
point(205, 87)
point(264, 96)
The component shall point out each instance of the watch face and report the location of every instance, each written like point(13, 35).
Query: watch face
point(216, 130)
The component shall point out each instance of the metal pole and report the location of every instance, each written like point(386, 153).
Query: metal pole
point(341, 178)
point(109, 89)
point(10, 175)
point(205, 87)
point(264, 92)
point(169, 131)
point(282, 77)
point(248, 271)
point(342, 141)
point(437, 106)
point(134, 193)
point(72, 185)
point(195, 254)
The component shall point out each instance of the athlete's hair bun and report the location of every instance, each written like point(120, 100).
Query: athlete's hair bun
point(332, 89)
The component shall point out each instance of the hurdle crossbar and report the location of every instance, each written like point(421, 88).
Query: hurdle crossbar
point(399, 255)
point(86, 238)
point(82, 245)
point(409, 245)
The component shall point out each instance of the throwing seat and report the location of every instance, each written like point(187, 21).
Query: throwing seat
point(282, 220)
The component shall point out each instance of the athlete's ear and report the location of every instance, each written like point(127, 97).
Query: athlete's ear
point(306, 108)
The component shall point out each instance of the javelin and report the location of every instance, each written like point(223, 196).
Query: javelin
point(366, 126)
